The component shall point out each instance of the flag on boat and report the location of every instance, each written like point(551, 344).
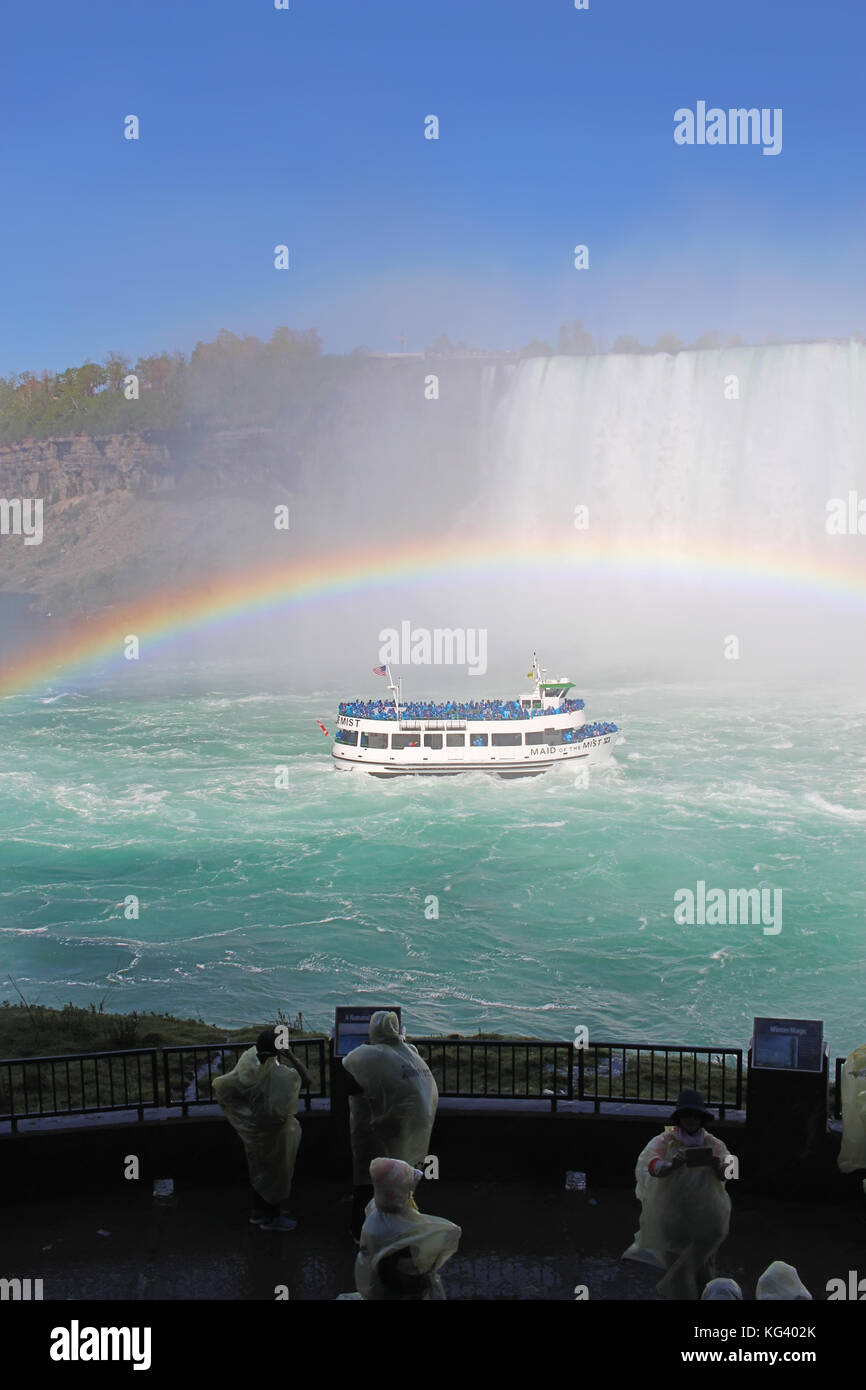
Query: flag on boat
point(322, 727)
point(380, 671)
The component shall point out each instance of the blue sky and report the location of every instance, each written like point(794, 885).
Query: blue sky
point(306, 127)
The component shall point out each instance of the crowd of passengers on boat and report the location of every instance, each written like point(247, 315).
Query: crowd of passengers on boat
point(454, 709)
point(566, 735)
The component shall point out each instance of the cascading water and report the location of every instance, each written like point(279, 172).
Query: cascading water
point(747, 442)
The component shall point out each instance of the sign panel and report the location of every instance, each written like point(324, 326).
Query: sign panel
point(352, 1025)
point(788, 1044)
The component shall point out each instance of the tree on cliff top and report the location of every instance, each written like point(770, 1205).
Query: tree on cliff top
point(626, 342)
point(536, 348)
point(575, 342)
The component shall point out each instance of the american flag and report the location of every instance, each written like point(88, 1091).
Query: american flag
point(379, 671)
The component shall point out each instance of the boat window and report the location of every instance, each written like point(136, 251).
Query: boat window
point(405, 740)
point(432, 740)
point(455, 740)
point(554, 735)
point(348, 736)
point(374, 740)
point(506, 740)
point(479, 740)
point(535, 736)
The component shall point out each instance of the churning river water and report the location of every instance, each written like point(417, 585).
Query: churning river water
point(525, 906)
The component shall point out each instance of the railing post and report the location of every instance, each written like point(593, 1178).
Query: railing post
point(154, 1077)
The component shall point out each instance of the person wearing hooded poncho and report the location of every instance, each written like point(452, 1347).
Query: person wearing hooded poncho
point(685, 1210)
point(722, 1291)
point(260, 1099)
point(780, 1282)
point(852, 1154)
point(392, 1104)
point(402, 1248)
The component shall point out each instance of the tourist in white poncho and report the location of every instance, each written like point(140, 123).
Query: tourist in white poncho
point(260, 1100)
point(685, 1208)
point(852, 1155)
point(392, 1104)
point(780, 1282)
point(402, 1248)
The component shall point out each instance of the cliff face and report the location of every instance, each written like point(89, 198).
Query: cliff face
point(129, 514)
point(125, 515)
point(58, 470)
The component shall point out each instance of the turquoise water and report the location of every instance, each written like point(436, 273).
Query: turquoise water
point(555, 902)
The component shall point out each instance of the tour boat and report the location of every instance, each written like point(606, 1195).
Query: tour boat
point(512, 738)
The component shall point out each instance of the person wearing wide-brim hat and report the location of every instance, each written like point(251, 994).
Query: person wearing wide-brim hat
point(685, 1209)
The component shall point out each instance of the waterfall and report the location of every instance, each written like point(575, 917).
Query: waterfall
point(747, 443)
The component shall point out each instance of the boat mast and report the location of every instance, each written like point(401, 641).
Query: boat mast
point(398, 698)
point(536, 671)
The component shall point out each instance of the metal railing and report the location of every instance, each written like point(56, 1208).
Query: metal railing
point(432, 725)
point(501, 1069)
point(189, 1070)
point(88, 1083)
point(617, 1073)
point(655, 1073)
point(78, 1083)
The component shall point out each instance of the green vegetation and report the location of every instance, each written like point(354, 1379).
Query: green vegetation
point(239, 381)
point(34, 1030)
point(231, 381)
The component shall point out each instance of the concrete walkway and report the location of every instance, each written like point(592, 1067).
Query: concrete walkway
point(519, 1242)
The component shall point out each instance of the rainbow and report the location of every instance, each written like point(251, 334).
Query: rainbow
point(215, 601)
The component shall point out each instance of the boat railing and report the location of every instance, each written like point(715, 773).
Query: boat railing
point(430, 725)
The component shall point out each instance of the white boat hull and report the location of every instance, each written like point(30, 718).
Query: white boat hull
point(523, 762)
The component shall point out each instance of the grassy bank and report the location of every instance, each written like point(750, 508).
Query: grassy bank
point(533, 1068)
point(34, 1030)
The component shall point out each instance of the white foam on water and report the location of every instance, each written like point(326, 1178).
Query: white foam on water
point(344, 863)
point(833, 809)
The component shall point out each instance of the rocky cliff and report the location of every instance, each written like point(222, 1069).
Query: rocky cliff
point(80, 465)
point(124, 514)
